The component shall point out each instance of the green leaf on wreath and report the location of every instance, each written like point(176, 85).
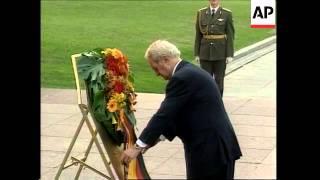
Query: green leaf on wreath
point(131, 77)
point(111, 131)
point(130, 116)
point(89, 69)
point(95, 53)
point(98, 100)
point(114, 121)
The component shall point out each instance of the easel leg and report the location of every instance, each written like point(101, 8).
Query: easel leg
point(86, 155)
point(100, 150)
point(69, 149)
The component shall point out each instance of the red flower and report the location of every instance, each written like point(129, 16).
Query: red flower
point(113, 66)
point(118, 87)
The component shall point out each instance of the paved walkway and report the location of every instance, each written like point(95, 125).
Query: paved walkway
point(249, 97)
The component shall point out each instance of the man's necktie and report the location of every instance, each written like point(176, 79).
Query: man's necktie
point(212, 12)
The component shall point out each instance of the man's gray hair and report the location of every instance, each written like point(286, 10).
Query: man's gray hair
point(160, 49)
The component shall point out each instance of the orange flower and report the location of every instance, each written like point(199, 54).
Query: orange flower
point(117, 53)
point(112, 105)
point(124, 60)
point(123, 69)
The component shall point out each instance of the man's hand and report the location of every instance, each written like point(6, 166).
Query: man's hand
point(129, 154)
point(197, 59)
point(229, 59)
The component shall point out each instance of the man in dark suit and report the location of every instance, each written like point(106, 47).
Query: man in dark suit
point(214, 38)
point(192, 110)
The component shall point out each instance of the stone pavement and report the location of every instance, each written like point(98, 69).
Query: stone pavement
point(249, 97)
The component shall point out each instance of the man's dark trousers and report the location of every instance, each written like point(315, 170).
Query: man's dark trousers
point(226, 172)
point(218, 68)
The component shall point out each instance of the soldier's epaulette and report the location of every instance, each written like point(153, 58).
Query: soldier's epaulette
point(202, 8)
point(227, 9)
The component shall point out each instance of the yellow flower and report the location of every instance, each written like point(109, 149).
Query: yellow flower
point(119, 97)
point(107, 51)
point(130, 86)
point(112, 105)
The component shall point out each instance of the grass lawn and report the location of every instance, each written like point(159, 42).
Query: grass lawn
point(70, 27)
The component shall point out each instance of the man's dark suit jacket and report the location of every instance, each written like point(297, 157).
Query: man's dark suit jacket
point(193, 110)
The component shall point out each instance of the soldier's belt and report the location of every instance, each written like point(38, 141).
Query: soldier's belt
point(222, 36)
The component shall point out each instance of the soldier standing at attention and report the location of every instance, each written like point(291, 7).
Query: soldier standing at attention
point(214, 40)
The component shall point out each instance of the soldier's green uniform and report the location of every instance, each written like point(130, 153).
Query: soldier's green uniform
point(214, 41)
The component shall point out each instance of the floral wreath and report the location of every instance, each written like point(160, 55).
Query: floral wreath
point(110, 90)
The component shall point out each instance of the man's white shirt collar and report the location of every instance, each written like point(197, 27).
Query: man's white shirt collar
point(215, 9)
point(175, 67)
